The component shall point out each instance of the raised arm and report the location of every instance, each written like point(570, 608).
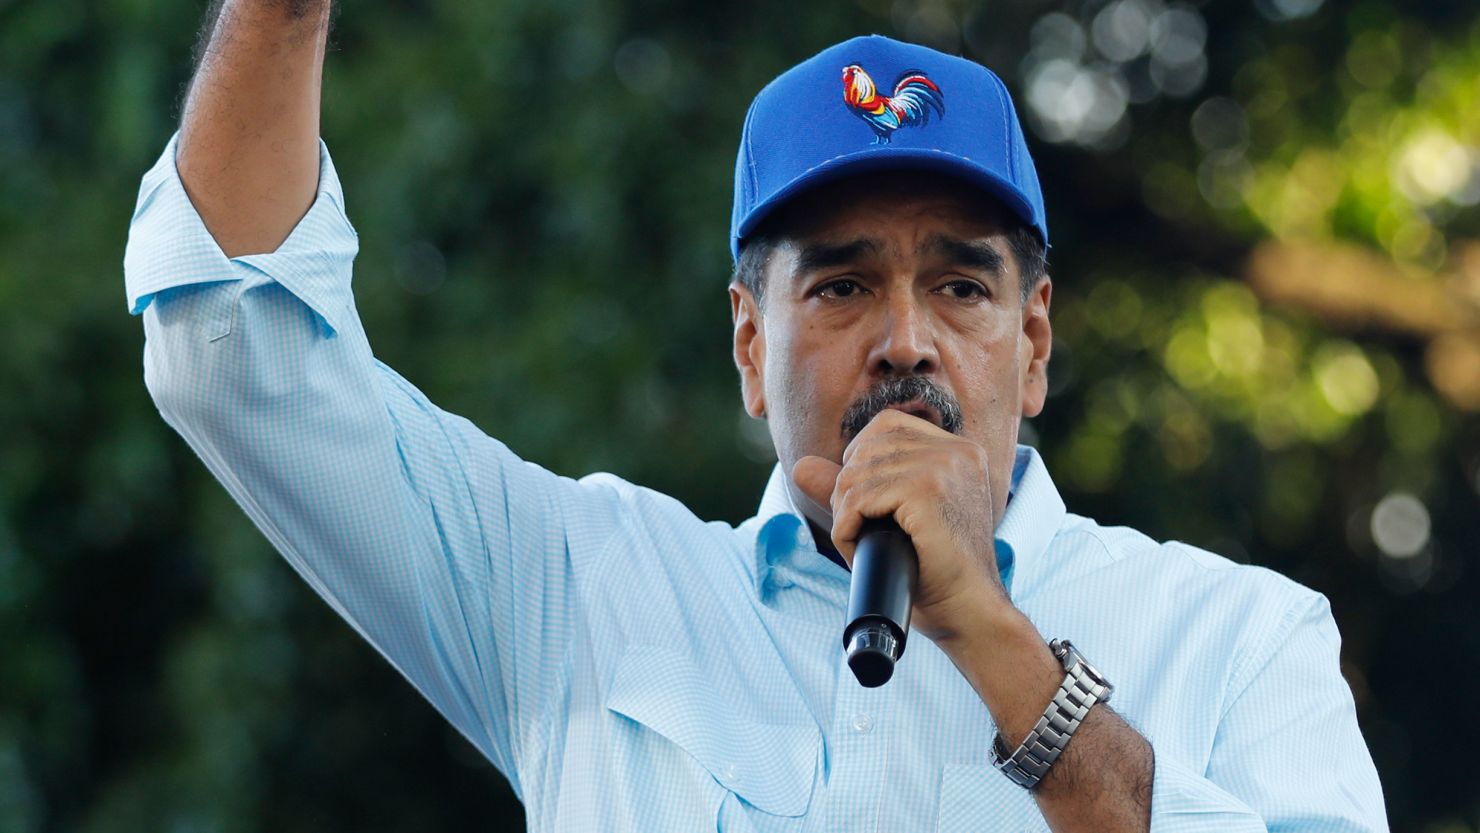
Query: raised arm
point(452, 556)
point(249, 138)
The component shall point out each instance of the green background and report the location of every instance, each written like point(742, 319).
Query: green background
point(542, 194)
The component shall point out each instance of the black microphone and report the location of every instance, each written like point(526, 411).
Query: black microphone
point(886, 571)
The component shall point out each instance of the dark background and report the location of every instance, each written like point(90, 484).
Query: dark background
point(1267, 283)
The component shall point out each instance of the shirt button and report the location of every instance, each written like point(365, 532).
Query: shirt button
point(730, 773)
point(862, 723)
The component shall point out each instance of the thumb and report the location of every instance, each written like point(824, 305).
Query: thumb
point(817, 477)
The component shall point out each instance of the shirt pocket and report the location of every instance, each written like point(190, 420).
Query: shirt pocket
point(977, 797)
point(770, 766)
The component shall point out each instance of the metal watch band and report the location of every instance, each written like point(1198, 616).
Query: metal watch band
point(1083, 687)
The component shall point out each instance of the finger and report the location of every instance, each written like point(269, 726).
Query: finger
point(878, 497)
point(896, 458)
point(817, 477)
point(886, 423)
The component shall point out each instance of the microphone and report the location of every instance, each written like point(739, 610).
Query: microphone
point(886, 570)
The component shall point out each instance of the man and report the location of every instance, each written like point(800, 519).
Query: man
point(630, 667)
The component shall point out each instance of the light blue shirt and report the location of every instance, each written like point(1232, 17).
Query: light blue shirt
point(630, 667)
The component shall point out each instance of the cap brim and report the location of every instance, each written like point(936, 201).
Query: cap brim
point(892, 159)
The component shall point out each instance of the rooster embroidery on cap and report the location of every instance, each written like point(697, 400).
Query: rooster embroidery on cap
point(914, 97)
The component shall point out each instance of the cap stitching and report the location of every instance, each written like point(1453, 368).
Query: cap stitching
point(1028, 203)
point(831, 159)
point(750, 179)
point(1007, 137)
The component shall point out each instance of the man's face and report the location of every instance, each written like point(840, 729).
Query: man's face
point(896, 290)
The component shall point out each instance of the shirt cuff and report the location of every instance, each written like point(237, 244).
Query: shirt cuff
point(1185, 802)
point(169, 246)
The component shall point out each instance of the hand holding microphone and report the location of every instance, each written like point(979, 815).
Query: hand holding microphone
point(913, 516)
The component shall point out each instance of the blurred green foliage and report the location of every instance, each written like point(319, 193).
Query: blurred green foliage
point(542, 190)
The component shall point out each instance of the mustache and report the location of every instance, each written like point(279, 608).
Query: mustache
point(895, 391)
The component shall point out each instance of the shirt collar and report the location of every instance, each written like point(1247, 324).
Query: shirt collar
point(785, 548)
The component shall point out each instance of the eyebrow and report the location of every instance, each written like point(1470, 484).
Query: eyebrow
point(815, 256)
point(977, 255)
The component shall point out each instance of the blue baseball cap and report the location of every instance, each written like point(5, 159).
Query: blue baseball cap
point(873, 103)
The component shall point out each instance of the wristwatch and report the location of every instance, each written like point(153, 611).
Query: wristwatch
point(1083, 687)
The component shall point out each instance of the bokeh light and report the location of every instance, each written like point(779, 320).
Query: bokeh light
point(1400, 525)
point(1141, 50)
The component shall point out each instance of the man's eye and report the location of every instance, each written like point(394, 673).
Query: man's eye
point(839, 289)
point(965, 289)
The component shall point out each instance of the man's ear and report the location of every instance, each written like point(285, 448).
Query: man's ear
point(750, 348)
point(1037, 345)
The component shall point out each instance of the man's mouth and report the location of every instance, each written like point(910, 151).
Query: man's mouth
point(919, 408)
point(917, 396)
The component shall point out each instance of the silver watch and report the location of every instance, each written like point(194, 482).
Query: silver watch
point(1083, 687)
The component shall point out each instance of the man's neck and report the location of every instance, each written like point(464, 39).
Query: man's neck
point(825, 545)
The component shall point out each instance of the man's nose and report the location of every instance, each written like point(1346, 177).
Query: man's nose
point(906, 342)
